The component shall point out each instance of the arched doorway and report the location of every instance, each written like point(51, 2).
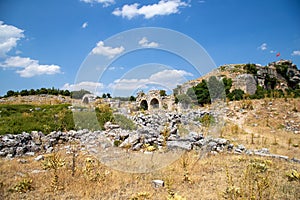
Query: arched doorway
point(85, 100)
point(144, 105)
point(154, 103)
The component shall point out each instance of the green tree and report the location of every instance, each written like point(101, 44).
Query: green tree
point(104, 96)
point(108, 95)
point(227, 84)
point(24, 93)
point(236, 95)
point(250, 69)
point(10, 93)
point(162, 93)
point(132, 98)
point(32, 92)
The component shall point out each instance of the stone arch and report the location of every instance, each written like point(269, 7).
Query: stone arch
point(154, 103)
point(144, 105)
point(85, 100)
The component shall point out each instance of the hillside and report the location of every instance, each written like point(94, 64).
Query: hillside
point(279, 75)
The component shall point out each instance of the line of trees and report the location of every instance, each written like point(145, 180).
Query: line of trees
point(50, 91)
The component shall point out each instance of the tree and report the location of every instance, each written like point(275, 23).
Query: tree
point(227, 84)
point(108, 95)
point(10, 93)
point(201, 92)
point(236, 95)
point(162, 93)
point(132, 98)
point(24, 93)
point(103, 95)
point(32, 92)
point(250, 69)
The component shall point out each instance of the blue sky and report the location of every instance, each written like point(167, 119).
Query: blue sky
point(51, 42)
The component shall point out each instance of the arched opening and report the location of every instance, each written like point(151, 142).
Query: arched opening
point(154, 103)
point(144, 105)
point(85, 100)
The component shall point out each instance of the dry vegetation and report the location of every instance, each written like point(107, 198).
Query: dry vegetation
point(222, 176)
point(214, 177)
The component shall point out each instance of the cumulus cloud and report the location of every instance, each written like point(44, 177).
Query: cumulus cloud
point(163, 7)
point(145, 43)
point(84, 25)
point(29, 68)
point(296, 53)
point(105, 3)
point(9, 36)
point(167, 78)
point(93, 87)
point(110, 52)
point(263, 47)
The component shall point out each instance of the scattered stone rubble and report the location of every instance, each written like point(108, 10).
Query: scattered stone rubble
point(154, 132)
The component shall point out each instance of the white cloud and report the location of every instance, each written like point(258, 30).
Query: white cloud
point(106, 50)
point(167, 78)
point(104, 2)
point(145, 43)
point(163, 7)
point(263, 46)
point(9, 36)
point(296, 53)
point(115, 68)
point(272, 51)
point(84, 25)
point(94, 87)
point(29, 67)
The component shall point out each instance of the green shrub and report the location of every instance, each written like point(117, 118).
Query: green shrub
point(46, 118)
point(124, 122)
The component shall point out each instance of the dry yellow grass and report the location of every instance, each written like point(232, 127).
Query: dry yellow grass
point(188, 177)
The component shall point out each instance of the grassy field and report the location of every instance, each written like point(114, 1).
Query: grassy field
point(46, 118)
point(16, 118)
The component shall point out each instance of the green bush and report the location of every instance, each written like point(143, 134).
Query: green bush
point(124, 122)
point(46, 118)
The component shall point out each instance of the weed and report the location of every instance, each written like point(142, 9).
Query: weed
point(255, 183)
point(293, 175)
point(23, 186)
point(175, 196)
point(206, 120)
point(165, 133)
point(54, 162)
point(141, 196)
point(275, 141)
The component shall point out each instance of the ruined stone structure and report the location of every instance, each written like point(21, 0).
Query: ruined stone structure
point(245, 82)
point(89, 98)
point(153, 100)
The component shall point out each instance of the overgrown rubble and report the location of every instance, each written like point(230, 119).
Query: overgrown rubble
point(155, 132)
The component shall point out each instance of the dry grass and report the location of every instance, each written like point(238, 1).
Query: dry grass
point(188, 178)
point(263, 127)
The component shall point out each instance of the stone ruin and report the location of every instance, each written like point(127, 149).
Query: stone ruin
point(89, 98)
point(154, 100)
